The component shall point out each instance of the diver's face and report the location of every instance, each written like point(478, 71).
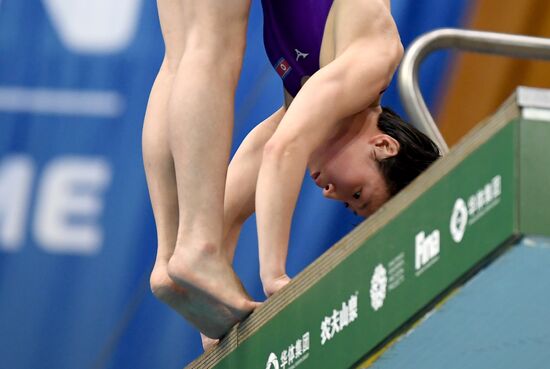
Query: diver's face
point(347, 168)
point(353, 177)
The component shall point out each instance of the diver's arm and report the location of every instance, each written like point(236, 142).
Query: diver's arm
point(344, 87)
point(242, 177)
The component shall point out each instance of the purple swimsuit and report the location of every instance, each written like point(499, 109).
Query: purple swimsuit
point(293, 32)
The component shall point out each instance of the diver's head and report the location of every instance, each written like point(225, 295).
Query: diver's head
point(372, 160)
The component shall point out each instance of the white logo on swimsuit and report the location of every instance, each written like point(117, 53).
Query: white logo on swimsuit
point(300, 54)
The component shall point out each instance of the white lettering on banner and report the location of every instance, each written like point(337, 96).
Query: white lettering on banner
point(96, 27)
point(396, 271)
point(71, 188)
point(291, 357)
point(338, 320)
point(426, 250)
point(16, 176)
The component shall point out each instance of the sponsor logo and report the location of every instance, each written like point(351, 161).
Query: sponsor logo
point(459, 220)
point(378, 287)
point(386, 278)
point(340, 319)
point(295, 354)
point(426, 250)
point(283, 68)
point(478, 204)
point(272, 362)
point(300, 54)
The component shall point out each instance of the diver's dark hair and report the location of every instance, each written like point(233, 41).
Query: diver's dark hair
point(416, 151)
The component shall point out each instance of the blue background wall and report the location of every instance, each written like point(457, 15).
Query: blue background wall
point(77, 237)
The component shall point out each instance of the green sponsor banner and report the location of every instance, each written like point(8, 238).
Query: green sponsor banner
point(396, 272)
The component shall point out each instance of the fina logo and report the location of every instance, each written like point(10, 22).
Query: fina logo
point(427, 250)
point(272, 362)
point(94, 27)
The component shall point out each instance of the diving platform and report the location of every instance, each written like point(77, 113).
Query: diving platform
point(461, 216)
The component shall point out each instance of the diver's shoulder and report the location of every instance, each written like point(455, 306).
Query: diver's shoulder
point(373, 15)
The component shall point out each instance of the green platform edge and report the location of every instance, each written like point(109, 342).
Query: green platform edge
point(508, 146)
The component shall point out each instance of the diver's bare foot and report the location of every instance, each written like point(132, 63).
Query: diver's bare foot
point(273, 285)
point(208, 343)
point(214, 290)
point(179, 299)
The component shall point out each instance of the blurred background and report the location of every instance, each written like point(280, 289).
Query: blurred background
point(77, 235)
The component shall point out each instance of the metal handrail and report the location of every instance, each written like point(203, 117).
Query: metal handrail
point(483, 42)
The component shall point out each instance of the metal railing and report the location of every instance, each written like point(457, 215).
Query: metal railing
point(482, 42)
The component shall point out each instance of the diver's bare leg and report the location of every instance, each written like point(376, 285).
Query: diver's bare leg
point(239, 192)
point(157, 159)
point(200, 117)
point(163, 192)
point(161, 177)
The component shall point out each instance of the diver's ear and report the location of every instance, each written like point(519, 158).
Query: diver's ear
point(384, 146)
